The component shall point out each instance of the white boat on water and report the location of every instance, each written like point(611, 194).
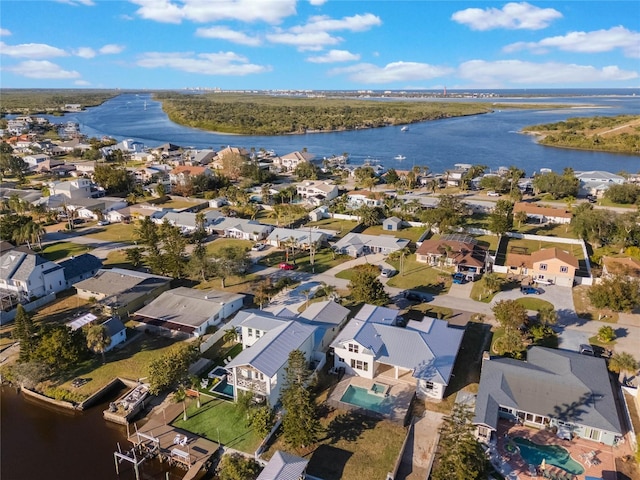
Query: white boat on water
point(404, 129)
point(399, 157)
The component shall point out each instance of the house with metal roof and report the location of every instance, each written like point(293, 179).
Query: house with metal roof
point(302, 237)
point(260, 368)
point(116, 331)
point(240, 228)
point(557, 389)
point(329, 316)
point(357, 244)
point(596, 182)
point(27, 274)
point(284, 466)
point(189, 310)
point(373, 345)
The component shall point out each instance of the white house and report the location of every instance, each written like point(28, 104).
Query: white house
point(35, 159)
point(241, 228)
point(596, 182)
point(302, 238)
point(372, 345)
point(117, 331)
point(28, 274)
point(189, 310)
point(314, 189)
point(291, 160)
point(357, 244)
point(267, 342)
point(284, 466)
point(358, 198)
point(73, 189)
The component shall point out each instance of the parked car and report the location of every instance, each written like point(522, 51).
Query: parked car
point(103, 223)
point(541, 281)
point(530, 291)
point(459, 278)
point(416, 296)
point(586, 349)
point(387, 272)
point(287, 266)
point(258, 247)
point(492, 193)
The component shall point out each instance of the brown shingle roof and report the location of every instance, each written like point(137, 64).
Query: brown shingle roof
point(462, 253)
point(550, 253)
point(532, 209)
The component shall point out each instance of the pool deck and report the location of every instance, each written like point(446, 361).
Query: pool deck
point(578, 449)
point(401, 391)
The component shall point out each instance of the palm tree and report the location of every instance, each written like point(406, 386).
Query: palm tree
point(520, 217)
point(306, 292)
point(402, 254)
point(623, 363)
point(230, 335)
point(98, 339)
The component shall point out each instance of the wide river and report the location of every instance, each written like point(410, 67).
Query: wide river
point(490, 139)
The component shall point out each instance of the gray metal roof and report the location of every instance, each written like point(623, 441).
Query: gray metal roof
point(378, 241)
point(76, 266)
point(271, 351)
point(113, 326)
point(556, 383)
point(117, 280)
point(325, 312)
point(258, 319)
point(187, 306)
point(284, 466)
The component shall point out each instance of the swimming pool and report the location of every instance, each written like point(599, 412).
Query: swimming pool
point(552, 454)
point(379, 389)
point(223, 388)
point(360, 397)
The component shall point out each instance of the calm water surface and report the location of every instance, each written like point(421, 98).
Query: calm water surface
point(490, 139)
point(40, 441)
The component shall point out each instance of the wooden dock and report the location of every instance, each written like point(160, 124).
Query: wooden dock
point(170, 444)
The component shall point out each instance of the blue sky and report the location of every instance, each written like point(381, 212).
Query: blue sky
point(318, 44)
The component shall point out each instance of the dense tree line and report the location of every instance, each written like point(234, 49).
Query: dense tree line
point(558, 186)
point(604, 227)
point(581, 133)
point(264, 115)
point(626, 193)
point(30, 101)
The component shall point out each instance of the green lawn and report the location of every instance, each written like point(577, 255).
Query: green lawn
point(220, 417)
point(341, 226)
point(219, 243)
point(529, 246)
point(323, 260)
point(116, 232)
point(131, 362)
point(548, 229)
point(60, 250)
point(532, 303)
point(412, 233)
point(420, 276)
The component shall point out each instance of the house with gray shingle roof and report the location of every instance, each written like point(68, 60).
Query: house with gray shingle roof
point(190, 310)
point(240, 228)
point(357, 244)
point(28, 274)
point(373, 344)
point(80, 268)
point(552, 388)
point(284, 466)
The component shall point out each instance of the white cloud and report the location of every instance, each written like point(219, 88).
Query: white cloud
point(31, 50)
point(334, 56)
point(82, 83)
point(225, 33)
point(166, 11)
point(41, 69)
point(597, 41)
point(317, 3)
point(85, 52)
point(4, 32)
point(513, 16)
point(314, 34)
point(508, 72)
point(221, 63)
point(392, 72)
point(111, 49)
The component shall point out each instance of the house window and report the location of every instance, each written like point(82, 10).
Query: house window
point(428, 385)
point(359, 365)
point(543, 266)
point(389, 227)
point(250, 332)
point(564, 269)
point(353, 348)
point(257, 333)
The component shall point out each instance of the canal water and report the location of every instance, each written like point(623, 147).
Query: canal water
point(40, 441)
point(491, 139)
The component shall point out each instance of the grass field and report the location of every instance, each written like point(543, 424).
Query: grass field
point(220, 419)
point(527, 247)
point(412, 233)
point(219, 243)
point(60, 250)
point(531, 303)
point(420, 276)
point(115, 232)
point(341, 226)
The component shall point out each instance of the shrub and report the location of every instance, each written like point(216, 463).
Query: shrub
point(606, 334)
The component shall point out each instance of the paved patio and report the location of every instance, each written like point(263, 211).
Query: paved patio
point(578, 448)
point(400, 392)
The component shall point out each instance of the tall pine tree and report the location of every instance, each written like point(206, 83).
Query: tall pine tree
point(24, 331)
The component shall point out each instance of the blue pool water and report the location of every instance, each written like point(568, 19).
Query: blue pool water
point(553, 455)
point(360, 397)
point(224, 388)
